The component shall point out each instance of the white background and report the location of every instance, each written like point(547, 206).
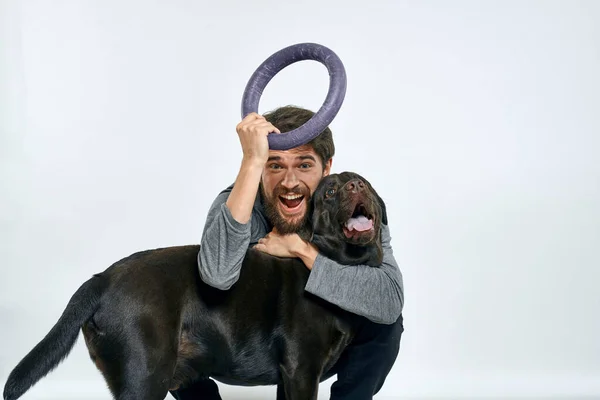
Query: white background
point(477, 122)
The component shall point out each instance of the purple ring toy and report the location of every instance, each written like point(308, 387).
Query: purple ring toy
point(323, 117)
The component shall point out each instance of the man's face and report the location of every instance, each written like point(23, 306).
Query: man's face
point(289, 179)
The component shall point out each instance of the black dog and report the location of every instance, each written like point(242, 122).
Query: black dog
point(151, 325)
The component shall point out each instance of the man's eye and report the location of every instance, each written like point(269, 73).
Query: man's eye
point(305, 165)
point(330, 192)
point(275, 166)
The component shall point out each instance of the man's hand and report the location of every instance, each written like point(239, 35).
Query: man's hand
point(252, 132)
point(279, 245)
point(289, 246)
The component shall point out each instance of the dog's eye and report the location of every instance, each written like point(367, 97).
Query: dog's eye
point(330, 192)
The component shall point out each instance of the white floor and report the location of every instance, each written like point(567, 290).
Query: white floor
point(95, 390)
point(77, 378)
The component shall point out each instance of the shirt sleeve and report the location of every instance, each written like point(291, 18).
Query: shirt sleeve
point(376, 293)
point(225, 242)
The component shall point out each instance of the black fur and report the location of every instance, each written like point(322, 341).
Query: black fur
point(152, 325)
point(331, 212)
point(57, 344)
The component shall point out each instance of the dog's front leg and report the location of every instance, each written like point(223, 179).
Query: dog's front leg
point(280, 392)
point(299, 382)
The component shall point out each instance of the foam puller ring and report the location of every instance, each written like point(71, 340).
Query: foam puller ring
point(323, 117)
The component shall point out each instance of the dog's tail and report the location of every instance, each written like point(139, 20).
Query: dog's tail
point(57, 344)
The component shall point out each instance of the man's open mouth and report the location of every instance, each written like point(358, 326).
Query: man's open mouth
point(361, 221)
point(291, 202)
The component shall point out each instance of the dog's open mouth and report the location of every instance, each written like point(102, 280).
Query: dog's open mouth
point(361, 221)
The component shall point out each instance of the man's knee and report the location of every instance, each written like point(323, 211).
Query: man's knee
point(385, 334)
point(376, 347)
point(367, 361)
point(396, 332)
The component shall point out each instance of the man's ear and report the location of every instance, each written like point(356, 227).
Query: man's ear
point(327, 167)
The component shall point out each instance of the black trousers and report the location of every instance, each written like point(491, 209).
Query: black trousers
point(361, 370)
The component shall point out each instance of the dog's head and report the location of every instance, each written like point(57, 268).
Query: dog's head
point(346, 217)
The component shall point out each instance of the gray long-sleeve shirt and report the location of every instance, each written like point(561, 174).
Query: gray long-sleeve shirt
point(376, 293)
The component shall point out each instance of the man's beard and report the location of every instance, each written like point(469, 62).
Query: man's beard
point(300, 224)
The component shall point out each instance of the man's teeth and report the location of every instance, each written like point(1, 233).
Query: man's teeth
point(291, 196)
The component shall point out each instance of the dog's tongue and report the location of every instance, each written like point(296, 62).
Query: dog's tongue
point(360, 223)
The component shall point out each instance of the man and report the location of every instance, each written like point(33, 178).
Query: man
point(265, 208)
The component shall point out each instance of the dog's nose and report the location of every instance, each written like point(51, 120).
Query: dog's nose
point(355, 186)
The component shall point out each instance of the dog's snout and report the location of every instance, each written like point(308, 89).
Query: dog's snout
point(355, 185)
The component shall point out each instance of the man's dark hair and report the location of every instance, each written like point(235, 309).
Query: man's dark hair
point(288, 118)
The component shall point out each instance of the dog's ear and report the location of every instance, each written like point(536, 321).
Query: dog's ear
point(306, 233)
point(384, 219)
point(319, 223)
point(314, 215)
point(321, 229)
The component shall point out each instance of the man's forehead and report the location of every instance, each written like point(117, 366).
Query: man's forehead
point(297, 152)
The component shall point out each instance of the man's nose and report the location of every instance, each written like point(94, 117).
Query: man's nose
point(355, 186)
point(290, 180)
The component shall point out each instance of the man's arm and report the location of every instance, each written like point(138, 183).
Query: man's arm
point(225, 242)
point(377, 293)
point(231, 222)
point(223, 245)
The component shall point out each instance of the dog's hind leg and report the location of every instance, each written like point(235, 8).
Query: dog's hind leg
point(136, 371)
point(137, 359)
